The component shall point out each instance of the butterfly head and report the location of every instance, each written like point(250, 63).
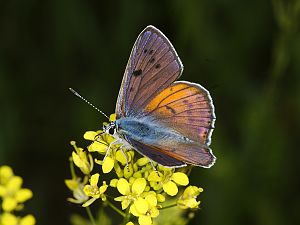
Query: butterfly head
point(110, 128)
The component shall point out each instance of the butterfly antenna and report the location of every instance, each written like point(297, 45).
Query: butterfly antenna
point(82, 98)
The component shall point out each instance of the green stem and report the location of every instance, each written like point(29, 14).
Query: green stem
point(115, 208)
point(88, 210)
point(127, 217)
point(169, 206)
point(72, 169)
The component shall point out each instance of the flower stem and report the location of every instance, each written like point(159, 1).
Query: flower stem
point(88, 210)
point(126, 217)
point(115, 208)
point(72, 169)
point(169, 206)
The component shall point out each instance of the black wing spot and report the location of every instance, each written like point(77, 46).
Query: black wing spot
point(157, 66)
point(171, 109)
point(152, 60)
point(146, 50)
point(137, 72)
point(151, 51)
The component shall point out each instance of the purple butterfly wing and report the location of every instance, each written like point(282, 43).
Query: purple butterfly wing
point(152, 66)
point(155, 153)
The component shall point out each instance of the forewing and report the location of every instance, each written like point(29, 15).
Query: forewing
point(186, 108)
point(153, 65)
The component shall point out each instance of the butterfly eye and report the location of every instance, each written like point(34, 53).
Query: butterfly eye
point(111, 131)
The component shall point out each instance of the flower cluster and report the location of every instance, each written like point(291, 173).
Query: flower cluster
point(145, 188)
point(13, 196)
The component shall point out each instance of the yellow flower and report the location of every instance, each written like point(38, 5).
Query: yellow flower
point(101, 143)
point(82, 159)
point(112, 117)
point(167, 181)
point(130, 192)
point(10, 219)
point(92, 190)
point(113, 159)
point(5, 174)
point(145, 209)
point(142, 168)
point(13, 194)
point(100, 140)
point(130, 223)
point(77, 188)
point(27, 220)
point(188, 198)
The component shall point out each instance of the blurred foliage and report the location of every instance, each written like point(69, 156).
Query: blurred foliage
point(246, 53)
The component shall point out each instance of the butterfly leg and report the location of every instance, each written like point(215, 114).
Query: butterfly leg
point(108, 148)
point(126, 156)
point(96, 138)
point(154, 168)
point(117, 141)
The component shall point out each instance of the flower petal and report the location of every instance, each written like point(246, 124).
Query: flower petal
point(5, 173)
point(133, 210)
point(130, 223)
point(141, 205)
point(94, 179)
point(139, 185)
point(152, 200)
point(72, 184)
point(145, 220)
point(154, 212)
point(8, 219)
point(123, 186)
point(142, 161)
point(121, 157)
point(27, 220)
point(98, 146)
point(90, 135)
point(160, 198)
point(9, 204)
point(108, 165)
point(76, 159)
point(180, 178)
point(112, 117)
point(170, 188)
point(128, 171)
point(14, 184)
point(191, 192)
point(23, 195)
point(155, 176)
point(125, 203)
point(113, 183)
point(89, 202)
point(103, 188)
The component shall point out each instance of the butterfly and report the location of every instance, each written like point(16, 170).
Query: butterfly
point(168, 121)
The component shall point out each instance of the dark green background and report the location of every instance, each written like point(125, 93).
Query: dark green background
point(247, 53)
